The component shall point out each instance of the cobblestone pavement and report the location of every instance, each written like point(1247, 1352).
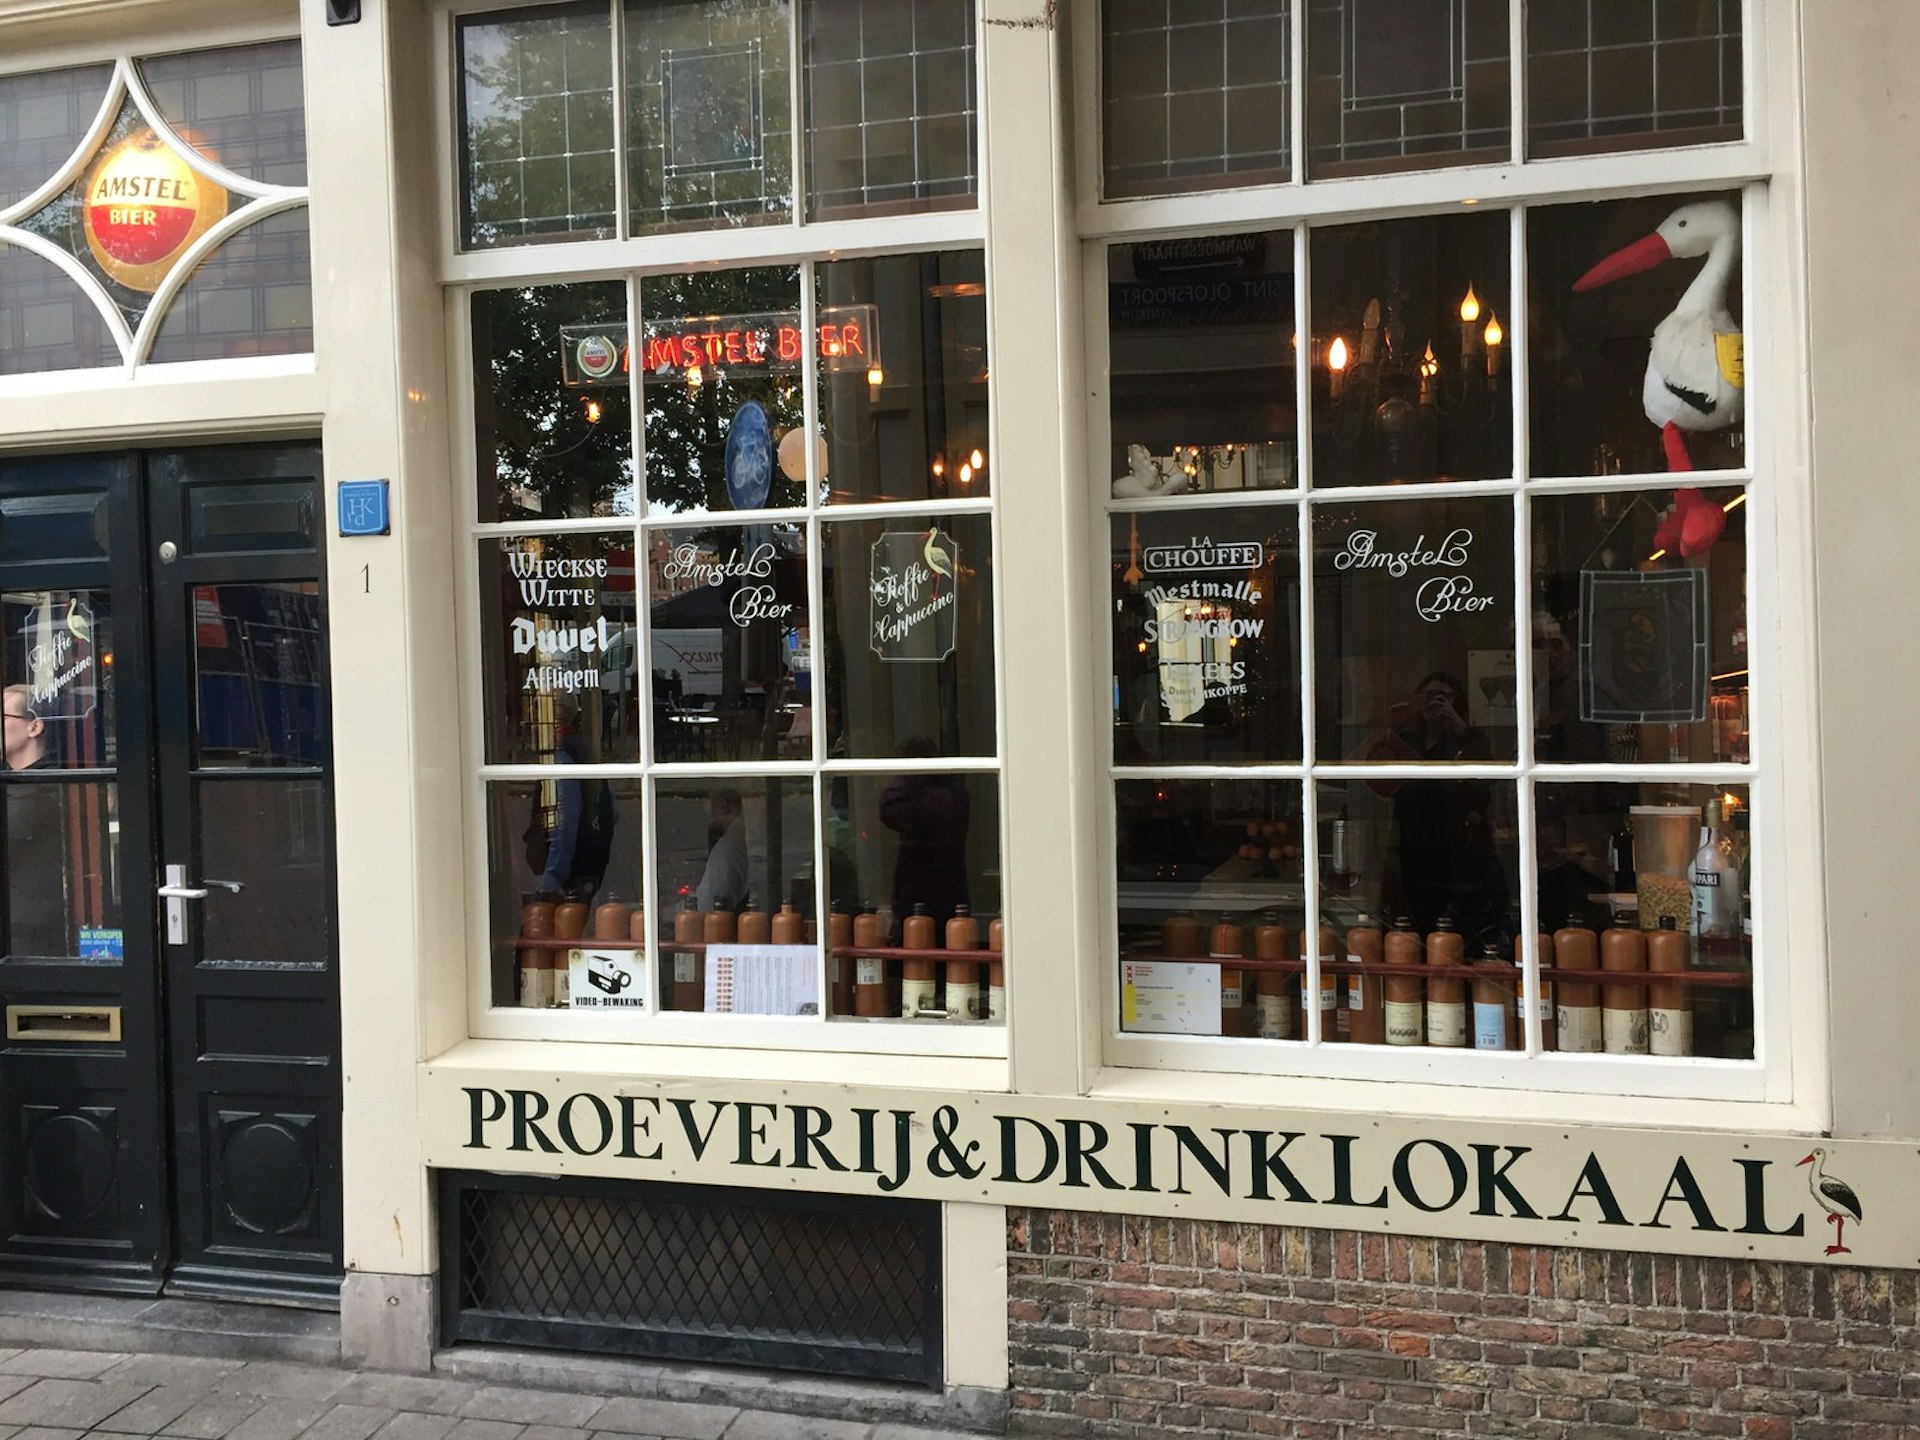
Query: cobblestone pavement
point(50, 1394)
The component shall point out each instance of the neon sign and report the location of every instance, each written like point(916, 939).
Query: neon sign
point(846, 337)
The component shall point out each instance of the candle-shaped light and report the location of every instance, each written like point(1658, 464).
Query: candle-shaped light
point(1495, 337)
point(876, 377)
point(694, 377)
point(977, 460)
point(1337, 366)
point(1469, 318)
point(1429, 368)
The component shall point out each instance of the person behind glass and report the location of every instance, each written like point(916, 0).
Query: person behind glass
point(723, 884)
point(930, 814)
point(1447, 864)
point(580, 842)
point(26, 732)
point(35, 867)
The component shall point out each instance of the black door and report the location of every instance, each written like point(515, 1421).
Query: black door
point(169, 1090)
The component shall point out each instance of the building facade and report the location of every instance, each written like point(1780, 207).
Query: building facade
point(1209, 836)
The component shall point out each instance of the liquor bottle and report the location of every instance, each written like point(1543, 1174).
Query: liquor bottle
point(1716, 895)
point(1446, 996)
point(1577, 948)
point(1669, 1016)
point(536, 972)
point(1272, 997)
point(917, 972)
point(1493, 989)
point(787, 927)
point(1367, 1020)
point(569, 923)
point(688, 989)
point(1229, 947)
point(963, 976)
point(996, 970)
point(755, 927)
point(1547, 1027)
point(1329, 1005)
point(1623, 1008)
point(869, 971)
point(1404, 994)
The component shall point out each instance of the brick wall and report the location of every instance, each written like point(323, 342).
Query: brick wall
point(1124, 1326)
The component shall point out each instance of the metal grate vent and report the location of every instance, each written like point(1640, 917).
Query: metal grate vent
point(825, 1284)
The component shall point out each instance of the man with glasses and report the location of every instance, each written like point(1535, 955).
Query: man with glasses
point(26, 732)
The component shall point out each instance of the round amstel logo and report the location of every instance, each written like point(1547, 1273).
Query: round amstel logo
point(596, 355)
point(145, 205)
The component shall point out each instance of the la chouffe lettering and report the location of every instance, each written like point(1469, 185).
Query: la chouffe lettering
point(144, 206)
point(1569, 1193)
point(1436, 597)
point(846, 337)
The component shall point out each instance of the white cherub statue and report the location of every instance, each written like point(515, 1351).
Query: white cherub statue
point(1147, 476)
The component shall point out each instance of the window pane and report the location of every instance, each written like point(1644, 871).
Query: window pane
point(1648, 878)
point(1206, 635)
point(43, 117)
point(252, 296)
point(1640, 627)
point(1631, 74)
point(1422, 872)
point(560, 675)
point(1405, 84)
point(243, 107)
point(1192, 100)
point(1410, 355)
point(552, 417)
point(890, 96)
point(734, 855)
point(1201, 364)
point(1209, 883)
point(1633, 372)
point(69, 524)
point(59, 695)
point(46, 322)
point(732, 664)
point(721, 355)
point(913, 862)
point(61, 871)
point(904, 384)
point(909, 637)
point(709, 114)
point(565, 863)
point(268, 837)
point(259, 669)
point(536, 125)
point(1413, 631)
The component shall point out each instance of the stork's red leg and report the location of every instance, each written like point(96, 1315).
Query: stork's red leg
point(1839, 1246)
point(1676, 443)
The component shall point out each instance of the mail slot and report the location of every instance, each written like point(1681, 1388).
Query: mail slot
point(90, 1024)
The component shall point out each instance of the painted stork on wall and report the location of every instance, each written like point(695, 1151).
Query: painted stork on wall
point(1696, 373)
point(1834, 1196)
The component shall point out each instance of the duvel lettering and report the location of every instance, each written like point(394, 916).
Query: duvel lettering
point(1526, 1184)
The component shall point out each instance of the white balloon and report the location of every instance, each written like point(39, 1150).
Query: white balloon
point(793, 454)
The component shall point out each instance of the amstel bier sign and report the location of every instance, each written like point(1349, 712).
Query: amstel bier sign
point(144, 206)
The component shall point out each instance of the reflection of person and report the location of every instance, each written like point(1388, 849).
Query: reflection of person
point(572, 856)
point(1442, 827)
point(26, 732)
point(930, 814)
point(723, 884)
point(35, 869)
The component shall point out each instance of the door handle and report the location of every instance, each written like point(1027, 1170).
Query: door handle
point(235, 886)
point(181, 892)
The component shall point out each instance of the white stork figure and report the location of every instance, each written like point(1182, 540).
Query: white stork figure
point(1834, 1196)
point(939, 561)
point(1696, 372)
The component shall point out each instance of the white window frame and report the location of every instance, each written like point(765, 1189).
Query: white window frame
point(800, 243)
point(1786, 1081)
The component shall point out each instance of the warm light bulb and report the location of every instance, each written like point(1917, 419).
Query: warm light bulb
point(593, 412)
point(833, 347)
point(1470, 306)
point(1143, 647)
point(1494, 334)
point(1429, 366)
point(1337, 354)
point(876, 377)
point(694, 376)
point(939, 466)
point(966, 474)
point(977, 460)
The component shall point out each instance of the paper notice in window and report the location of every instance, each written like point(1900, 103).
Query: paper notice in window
point(763, 980)
point(1163, 997)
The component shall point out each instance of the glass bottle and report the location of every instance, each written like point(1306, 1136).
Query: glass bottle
point(1716, 894)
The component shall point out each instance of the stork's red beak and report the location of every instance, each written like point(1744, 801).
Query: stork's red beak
point(1807, 1161)
point(1640, 255)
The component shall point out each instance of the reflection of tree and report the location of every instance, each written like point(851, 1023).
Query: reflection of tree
point(686, 424)
point(548, 458)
